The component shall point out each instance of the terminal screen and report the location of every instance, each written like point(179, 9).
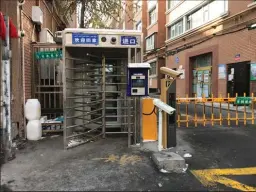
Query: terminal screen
point(138, 83)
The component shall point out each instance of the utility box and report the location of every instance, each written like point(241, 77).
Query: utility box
point(37, 15)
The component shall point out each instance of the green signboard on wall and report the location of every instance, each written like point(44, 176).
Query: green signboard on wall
point(253, 72)
point(48, 54)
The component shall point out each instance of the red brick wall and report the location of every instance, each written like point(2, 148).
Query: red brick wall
point(159, 28)
point(49, 22)
point(144, 22)
point(161, 23)
point(30, 34)
point(28, 28)
point(47, 16)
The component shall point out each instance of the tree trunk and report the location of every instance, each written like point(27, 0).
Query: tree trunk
point(82, 14)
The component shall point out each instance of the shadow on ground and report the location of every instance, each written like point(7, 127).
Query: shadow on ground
point(44, 165)
point(108, 165)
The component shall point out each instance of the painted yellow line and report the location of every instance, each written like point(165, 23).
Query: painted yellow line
point(235, 184)
point(235, 171)
point(210, 177)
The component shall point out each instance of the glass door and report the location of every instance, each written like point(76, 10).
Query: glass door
point(199, 84)
point(202, 83)
point(206, 83)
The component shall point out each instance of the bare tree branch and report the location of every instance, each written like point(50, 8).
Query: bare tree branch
point(95, 13)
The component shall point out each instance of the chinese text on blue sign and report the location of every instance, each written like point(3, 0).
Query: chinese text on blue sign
point(82, 38)
point(128, 40)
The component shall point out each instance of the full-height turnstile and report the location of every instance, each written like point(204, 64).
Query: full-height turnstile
point(94, 84)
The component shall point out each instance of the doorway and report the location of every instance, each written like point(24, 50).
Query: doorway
point(202, 69)
point(238, 78)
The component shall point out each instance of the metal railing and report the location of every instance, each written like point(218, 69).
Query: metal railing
point(215, 111)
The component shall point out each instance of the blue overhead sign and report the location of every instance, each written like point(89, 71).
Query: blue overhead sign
point(128, 40)
point(82, 38)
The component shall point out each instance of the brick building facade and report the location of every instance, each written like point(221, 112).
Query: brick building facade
point(21, 62)
point(149, 17)
point(208, 41)
point(215, 54)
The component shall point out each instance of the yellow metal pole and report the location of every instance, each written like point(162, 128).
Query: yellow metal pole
point(178, 112)
point(212, 112)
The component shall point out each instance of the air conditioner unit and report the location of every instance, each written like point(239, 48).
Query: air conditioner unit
point(58, 37)
point(46, 36)
point(37, 15)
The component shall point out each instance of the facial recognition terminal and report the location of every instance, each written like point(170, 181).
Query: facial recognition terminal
point(137, 79)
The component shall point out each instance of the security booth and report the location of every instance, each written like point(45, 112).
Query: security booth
point(95, 64)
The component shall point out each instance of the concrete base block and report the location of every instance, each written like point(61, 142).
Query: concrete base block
point(149, 146)
point(169, 161)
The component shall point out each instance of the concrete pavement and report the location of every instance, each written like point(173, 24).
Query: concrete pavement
point(109, 165)
point(223, 158)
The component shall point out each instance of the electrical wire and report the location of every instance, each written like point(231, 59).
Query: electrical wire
point(153, 111)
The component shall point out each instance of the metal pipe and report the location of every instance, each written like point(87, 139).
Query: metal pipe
point(6, 90)
point(160, 129)
point(68, 147)
point(104, 96)
point(115, 75)
point(71, 136)
point(77, 59)
point(87, 113)
point(118, 107)
point(118, 115)
point(115, 100)
point(123, 132)
point(74, 107)
point(85, 79)
point(81, 125)
point(129, 104)
point(119, 124)
point(115, 83)
point(88, 103)
point(84, 87)
point(115, 58)
point(95, 56)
